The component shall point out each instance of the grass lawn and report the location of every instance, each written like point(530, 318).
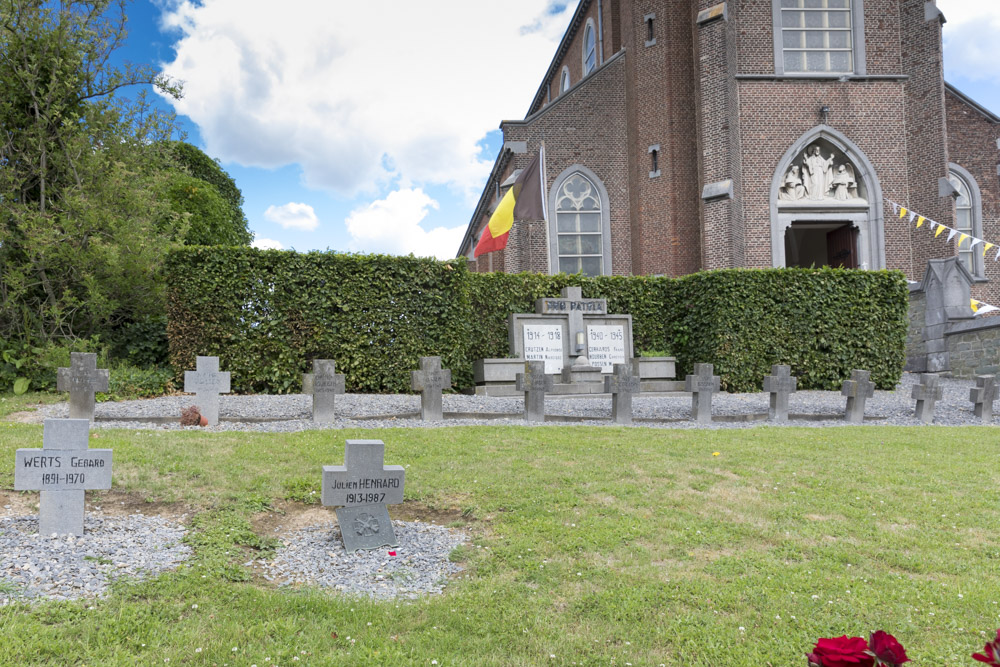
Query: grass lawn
point(590, 546)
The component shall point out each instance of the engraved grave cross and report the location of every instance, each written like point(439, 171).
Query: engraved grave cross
point(81, 380)
point(62, 470)
point(326, 384)
point(983, 395)
point(430, 380)
point(207, 382)
point(361, 489)
point(622, 385)
point(779, 384)
point(701, 385)
point(927, 393)
point(534, 383)
point(857, 390)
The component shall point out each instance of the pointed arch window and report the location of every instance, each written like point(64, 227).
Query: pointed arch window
point(589, 49)
point(579, 227)
point(968, 218)
point(564, 82)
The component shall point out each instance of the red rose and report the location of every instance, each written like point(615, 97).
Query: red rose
point(888, 651)
point(991, 651)
point(843, 652)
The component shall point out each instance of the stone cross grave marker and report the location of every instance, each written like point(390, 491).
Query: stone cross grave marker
point(534, 383)
point(81, 380)
point(430, 380)
point(207, 382)
point(983, 395)
point(701, 385)
point(779, 384)
point(857, 390)
point(574, 306)
point(622, 385)
point(62, 470)
point(326, 384)
point(361, 489)
point(927, 393)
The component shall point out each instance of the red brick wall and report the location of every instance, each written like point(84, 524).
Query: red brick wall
point(972, 144)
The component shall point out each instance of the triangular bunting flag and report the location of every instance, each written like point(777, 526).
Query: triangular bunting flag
point(940, 229)
point(912, 216)
point(951, 235)
point(902, 212)
point(974, 304)
point(985, 308)
point(961, 237)
point(974, 242)
point(998, 256)
point(920, 220)
point(986, 248)
point(895, 207)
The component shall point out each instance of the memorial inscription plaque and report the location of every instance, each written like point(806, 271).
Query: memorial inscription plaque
point(606, 347)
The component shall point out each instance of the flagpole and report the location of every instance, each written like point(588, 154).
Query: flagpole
point(545, 206)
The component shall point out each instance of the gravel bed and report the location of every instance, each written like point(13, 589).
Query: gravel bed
point(315, 556)
point(67, 568)
point(291, 411)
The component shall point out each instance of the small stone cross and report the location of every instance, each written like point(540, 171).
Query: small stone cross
point(62, 470)
point(779, 384)
point(81, 380)
point(534, 383)
point(430, 380)
point(701, 385)
point(207, 382)
point(857, 390)
point(326, 384)
point(361, 489)
point(983, 395)
point(927, 393)
point(622, 385)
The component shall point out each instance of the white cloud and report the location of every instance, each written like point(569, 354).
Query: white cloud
point(267, 244)
point(360, 94)
point(392, 226)
point(970, 37)
point(293, 216)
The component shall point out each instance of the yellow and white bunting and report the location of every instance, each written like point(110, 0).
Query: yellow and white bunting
point(938, 228)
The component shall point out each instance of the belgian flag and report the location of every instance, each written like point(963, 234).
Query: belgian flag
point(524, 200)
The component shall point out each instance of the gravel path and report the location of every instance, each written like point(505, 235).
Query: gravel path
point(66, 568)
point(420, 564)
point(290, 412)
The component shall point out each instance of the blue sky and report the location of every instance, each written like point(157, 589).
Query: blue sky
point(361, 129)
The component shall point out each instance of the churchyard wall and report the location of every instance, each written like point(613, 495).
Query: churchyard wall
point(267, 314)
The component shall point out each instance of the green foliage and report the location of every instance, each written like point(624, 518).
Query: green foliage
point(128, 382)
point(141, 342)
point(208, 196)
point(220, 537)
point(304, 490)
point(822, 322)
point(268, 314)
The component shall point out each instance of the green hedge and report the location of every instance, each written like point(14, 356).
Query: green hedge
point(268, 313)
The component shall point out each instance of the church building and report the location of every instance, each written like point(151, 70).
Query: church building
point(682, 135)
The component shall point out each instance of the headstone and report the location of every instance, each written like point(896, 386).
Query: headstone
point(779, 384)
point(606, 346)
point(622, 385)
point(207, 382)
point(983, 395)
point(82, 379)
point(927, 393)
point(430, 380)
point(857, 390)
point(701, 385)
point(534, 383)
point(62, 470)
point(544, 342)
point(361, 489)
point(326, 384)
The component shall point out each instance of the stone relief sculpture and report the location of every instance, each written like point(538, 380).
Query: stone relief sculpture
point(820, 178)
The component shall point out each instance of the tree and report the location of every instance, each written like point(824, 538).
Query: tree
point(84, 225)
point(210, 196)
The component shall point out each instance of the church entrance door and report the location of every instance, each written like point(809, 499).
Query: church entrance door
point(810, 244)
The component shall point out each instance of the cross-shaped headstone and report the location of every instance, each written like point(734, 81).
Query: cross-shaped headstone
point(430, 380)
point(534, 383)
point(62, 470)
point(779, 384)
point(326, 384)
point(622, 384)
point(574, 306)
point(81, 380)
point(927, 393)
point(361, 489)
point(701, 385)
point(983, 395)
point(207, 382)
point(857, 390)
